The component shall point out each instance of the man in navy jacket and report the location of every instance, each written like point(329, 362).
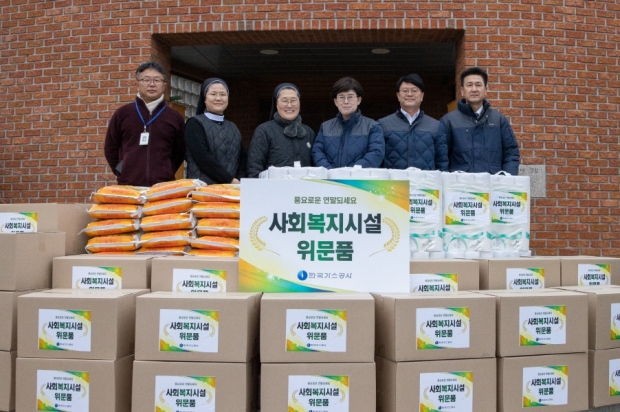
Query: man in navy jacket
point(479, 138)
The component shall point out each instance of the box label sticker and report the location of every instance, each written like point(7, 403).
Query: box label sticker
point(424, 206)
point(318, 393)
point(593, 274)
point(467, 208)
point(615, 321)
point(442, 328)
point(64, 330)
point(434, 282)
point(18, 222)
point(545, 386)
point(92, 277)
point(509, 207)
point(198, 280)
point(184, 393)
point(447, 391)
point(525, 278)
point(62, 391)
point(542, 325)
point(188, 330)
point(614, 377)
point(316, 330)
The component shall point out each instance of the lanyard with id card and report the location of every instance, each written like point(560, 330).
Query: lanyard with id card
point(144, 136)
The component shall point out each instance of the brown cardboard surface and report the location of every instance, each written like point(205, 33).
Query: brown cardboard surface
point(466, 270)
point(235, 383)
point(508, 322)
point(493, 272)
point(398, 327)
point(510, 381)
point(27, 259)
point(163, 278)
point(8, 320)
point(109, 381)
point(399, 386)
point(570, 267)
point(275, 383)
point(135, 270)
point(237, 327)
point(112, 327)
point(602, 372)
point(69, 218)
point(360, 326)
point(7, 381)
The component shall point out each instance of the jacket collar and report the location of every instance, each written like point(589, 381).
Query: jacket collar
point(142, 103)
point(352, 120)
point(468, 111)
point(400, 114)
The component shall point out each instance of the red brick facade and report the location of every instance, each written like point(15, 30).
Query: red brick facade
point(554, 66)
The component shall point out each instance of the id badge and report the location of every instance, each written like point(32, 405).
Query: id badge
point(144, 139)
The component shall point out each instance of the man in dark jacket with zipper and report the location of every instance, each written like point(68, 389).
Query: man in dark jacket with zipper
point(145, 141)
point(411, 137)
point(479, 138)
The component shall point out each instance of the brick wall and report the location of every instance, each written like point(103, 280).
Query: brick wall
point(66, 65)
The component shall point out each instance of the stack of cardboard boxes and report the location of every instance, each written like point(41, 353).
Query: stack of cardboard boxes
point(316, 352)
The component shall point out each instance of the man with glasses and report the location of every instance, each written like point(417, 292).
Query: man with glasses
point(145, 141)
point(349, 139)
point(411, 137)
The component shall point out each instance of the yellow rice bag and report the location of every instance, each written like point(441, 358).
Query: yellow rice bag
point(111, 227)
point(123, 252)
point(167, 239)
point(218, 227)
point(130, 195)
point(173, 190)
point(215, 242)
point(167, 206)
point(113, 243)
point(164, 251)
point(212, 253)
point(115, 211)
point(171, 221)
point(219, 210)
point(218, 193)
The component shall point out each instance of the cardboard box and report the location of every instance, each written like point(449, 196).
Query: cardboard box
point(7, 381)
point(222, 387)
point(77, 324)
point(604, 368)
point(590, 270)
point(443, 275)
point(195, 274)
point(102, 272)
point(413, 327)
point(540, 322)
point(8, 320)
point(69, 218)
point(197, 327)
point(317, 327)
point(290, 385)
point(521, 273)
point(27, 259)
point(104, 385)
point(406, 386)
point(561, 378)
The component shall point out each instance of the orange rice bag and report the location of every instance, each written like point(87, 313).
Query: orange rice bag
point(173, 190)
point(115, 211)
point(164, 251)
point(111, 227)
point(113, 243)
point(215, 242)
point(218, 227)
point(167, 206)
point(218, 193)
point(220, 210)
point(123, 252)
point(212, 253)
point(171, 221)
point(130, 195)
point(167, 239)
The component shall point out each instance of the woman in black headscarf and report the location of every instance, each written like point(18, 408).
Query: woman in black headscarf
point(215, 152)
point(282, 140)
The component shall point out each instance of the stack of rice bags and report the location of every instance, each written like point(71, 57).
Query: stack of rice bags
point(168, 224)
point(218, 207)
point(118, 210)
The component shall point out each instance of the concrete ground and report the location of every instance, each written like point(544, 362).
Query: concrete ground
point(612, 408)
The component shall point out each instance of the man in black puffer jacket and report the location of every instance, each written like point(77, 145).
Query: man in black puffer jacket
point(411, 137)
